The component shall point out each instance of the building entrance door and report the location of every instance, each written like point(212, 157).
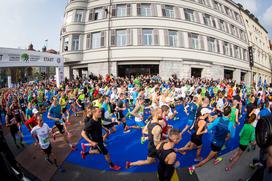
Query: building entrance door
point(128, 70)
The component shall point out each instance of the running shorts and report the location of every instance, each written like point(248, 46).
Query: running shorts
point(243, 147)
point(48, 150)
point(216, 148)
point(101, 148)
point(60, 127)
point(197, 140)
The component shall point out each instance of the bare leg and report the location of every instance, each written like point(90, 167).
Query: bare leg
point(148, 161)
point(236, 158)
point(209, 157)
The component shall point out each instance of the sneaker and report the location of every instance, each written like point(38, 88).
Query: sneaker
point(128, 165)
point(142, 140)
point(227, 169)
point(115, 167)
point(191, 170)
point(83, 147)
point(61, 169)
point(217, 160)
point(73, 147)
point(126, 130)
point(198, 159)
point(83, 156)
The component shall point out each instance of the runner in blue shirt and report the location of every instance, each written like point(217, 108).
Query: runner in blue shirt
point(222, 127)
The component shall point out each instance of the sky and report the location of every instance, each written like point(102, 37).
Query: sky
point(33, 21)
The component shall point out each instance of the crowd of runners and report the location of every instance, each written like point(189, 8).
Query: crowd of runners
point(213, 107)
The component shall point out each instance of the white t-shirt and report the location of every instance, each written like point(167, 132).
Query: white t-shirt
point(43, 135)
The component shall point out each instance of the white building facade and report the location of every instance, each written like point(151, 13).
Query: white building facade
point(200, 38)
point(258, 39)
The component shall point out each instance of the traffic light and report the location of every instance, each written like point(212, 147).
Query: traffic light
point(250, 53)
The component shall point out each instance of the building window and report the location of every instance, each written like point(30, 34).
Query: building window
point(237, 17)
point(96, 40)
point(147, 37)
point(168, 11)
point(172, 36)
point(65, 43)
point(226, 48)
point(242, 35)
point(222, 25)
point(79, 16)
point(233, 30)
point(216, 5)
point(88, 41)
point(193, 40)
point(245, 54)
point(98, 13)
point(211, 44)
point(201, 2)
point(207, 19)
point(189, 15)
point(75, 42)
point(236, 52)
point(121, 38)
point(69, 17)
point(145, 9)
point(121, 10)
point(227, 10)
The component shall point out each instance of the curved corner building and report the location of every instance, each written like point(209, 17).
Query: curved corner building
point(200, 38)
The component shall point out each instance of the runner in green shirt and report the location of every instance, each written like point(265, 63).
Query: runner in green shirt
point(247, 135)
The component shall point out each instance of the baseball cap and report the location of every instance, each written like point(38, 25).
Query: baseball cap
point(35, 111)
point(205, 111)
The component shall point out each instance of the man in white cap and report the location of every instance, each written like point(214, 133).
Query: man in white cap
point(31, 123)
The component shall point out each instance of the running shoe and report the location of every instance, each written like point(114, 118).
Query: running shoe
point(73, 147)
point(198, 159)
point(83, 156)
point(128, 165)
point(83, 147)
point(191, 170)
point(142, 140)
point(217, 160)
point(227, 169)
point(115, 167)
point(126, 130)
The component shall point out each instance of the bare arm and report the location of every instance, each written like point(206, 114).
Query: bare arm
point(84, 135)
point(201, 125)
point(157, 134)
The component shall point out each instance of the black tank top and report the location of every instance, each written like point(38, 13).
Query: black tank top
point(165, 171)
point(162, 154)
point(150, 135)
point(196, 125)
